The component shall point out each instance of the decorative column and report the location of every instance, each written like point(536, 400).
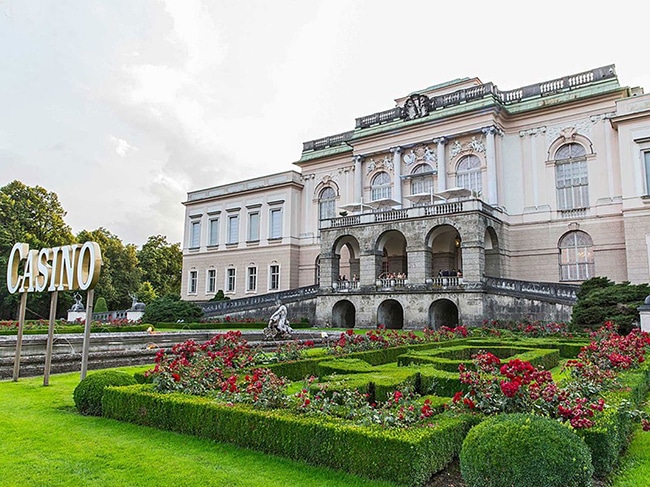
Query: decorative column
point(397, 168)
point(442, 163)
point(491, 156)
point(358, 183)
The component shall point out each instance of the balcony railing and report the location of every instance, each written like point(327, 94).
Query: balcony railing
point(437, 209)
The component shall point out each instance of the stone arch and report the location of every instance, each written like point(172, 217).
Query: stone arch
point(391, 246)
point(347, 251)
point(443, 312)
point(492, 253)
point(390, 314)
point(343, 314)
point(445, 242)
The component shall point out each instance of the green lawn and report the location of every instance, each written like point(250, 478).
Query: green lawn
point(45, 442)
point(634, 470)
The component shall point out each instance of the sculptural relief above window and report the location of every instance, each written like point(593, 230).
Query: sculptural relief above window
point(421, 154)
point(386, 164)
point(474, 145)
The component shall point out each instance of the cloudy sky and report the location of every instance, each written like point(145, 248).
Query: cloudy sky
point(123, 106)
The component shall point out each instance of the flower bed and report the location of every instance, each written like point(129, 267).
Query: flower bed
point(369, 407)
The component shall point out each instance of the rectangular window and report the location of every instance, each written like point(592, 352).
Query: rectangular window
point(274, 278)
point(646, 163)
point(233, 229)
point(195, 235)
point(275, 223)
point(253, 227)
point(230, 280)
point(191, 285)
point(211, 286)
point(251, 284)
point(213, 237)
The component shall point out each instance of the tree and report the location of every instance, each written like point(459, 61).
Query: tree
point(100, 305)
point(35, 216)
point(161, 264)
point(601, 300)
point(120, 276)
point(146, 293)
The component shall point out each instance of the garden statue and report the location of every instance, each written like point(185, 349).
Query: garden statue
point(278, 327)
point(135, 304)
point(78, 305)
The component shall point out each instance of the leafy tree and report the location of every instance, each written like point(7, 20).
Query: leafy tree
point(35, 216)
point(120, 276)
point(601, 300)
point(146, 293)
point(170, 309)
point(161, 264)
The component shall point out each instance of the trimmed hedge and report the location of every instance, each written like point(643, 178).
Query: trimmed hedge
point(343, 366)
point(89, 392)
point(368, 451)
point(609, 436)
point(524, 450)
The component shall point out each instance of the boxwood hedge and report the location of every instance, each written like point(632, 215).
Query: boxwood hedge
point(404, 456)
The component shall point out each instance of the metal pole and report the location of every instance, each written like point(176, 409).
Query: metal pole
point(50, 338)
point(90, 297)
point(19, 337)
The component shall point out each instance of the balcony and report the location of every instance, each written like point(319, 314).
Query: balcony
point(382, 216)
point(400, 284)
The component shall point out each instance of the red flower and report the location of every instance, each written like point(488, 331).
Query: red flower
point(176, 377)
point(458, 396)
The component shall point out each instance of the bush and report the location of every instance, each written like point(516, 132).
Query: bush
point(521, 450)
point(100, 305)
point(600, 300)
point(88, 393)
point(171, 308)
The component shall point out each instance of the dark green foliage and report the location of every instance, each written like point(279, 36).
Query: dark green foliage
point(120, 274)
point(161, 264)
point(601, 300)
point(220, 296)
point(88, 393)
point(522, 450)
point(170, 308)
point(404, 456)
point(35, 216)
point(343, 366)
point(100, 305)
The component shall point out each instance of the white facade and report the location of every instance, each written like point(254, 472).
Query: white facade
point(556, 178)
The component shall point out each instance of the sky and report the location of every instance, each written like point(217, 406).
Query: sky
point(122, 107)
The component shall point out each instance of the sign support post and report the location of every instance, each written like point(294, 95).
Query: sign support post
point(50, 338)
point(19, 337)
point(90, 298)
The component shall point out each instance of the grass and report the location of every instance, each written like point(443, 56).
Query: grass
point(44, 441)
point(634, 469)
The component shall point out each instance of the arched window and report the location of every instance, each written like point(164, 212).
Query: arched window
point(571, 178)
point(422, 179)
point(326, 203)
point(380, 187)
point(468, 174)
point(576, 257)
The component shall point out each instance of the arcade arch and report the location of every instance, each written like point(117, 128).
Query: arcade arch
point(390, 314)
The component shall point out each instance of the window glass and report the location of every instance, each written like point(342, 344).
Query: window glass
point(195, 235)
point(576, 257)
point(253, 227)
point(212, 281)
point(230, 280)
point(326, 204)
point(380, 187)
point(213, 237)
point(252, 279)
point(469, 174)
point(274, 277)
point(571, 178)
point(275, 223)
point(233, 229)
point(191, 288)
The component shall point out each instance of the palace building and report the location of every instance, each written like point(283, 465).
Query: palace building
point(461, 203)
